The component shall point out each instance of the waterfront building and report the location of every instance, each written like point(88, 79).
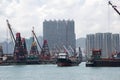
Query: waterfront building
point(107, 45)
point(59, 33)
point(99, 41)
point(115, 43)
point(90, 44)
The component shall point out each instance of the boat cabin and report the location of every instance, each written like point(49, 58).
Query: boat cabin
point(62, 55)
point(96, 54)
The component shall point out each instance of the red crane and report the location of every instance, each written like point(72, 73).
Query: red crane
point(20, 49)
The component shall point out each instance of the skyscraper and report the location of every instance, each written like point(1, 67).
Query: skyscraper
point(59, 33)
point(50, 32)
point(107, 45)
point(90, 44)
point(115, 43)
point(99, 41)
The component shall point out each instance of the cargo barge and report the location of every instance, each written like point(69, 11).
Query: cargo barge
point(97, 61)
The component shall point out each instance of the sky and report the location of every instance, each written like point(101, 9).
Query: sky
point(90, 16)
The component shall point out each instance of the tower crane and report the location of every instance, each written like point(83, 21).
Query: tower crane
point(114, 7)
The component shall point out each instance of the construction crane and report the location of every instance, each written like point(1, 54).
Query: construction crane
point(34, 50)
point(36, 39)
point(20, 50)
point(114, 7)
point(9, 26)
point(45, 54)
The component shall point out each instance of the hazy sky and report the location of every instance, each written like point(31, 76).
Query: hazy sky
point(90, 16)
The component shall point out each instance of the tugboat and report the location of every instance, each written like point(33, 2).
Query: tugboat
point(64, 59)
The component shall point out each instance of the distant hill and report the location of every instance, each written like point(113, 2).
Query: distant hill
point(80, 42)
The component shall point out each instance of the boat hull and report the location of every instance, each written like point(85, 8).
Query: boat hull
point(66, 62)
point(103, 63)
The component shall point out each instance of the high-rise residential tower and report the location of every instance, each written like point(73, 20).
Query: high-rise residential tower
point(59, 33)
point(115, 43)
point(107, 45)
point(90, 44)
point(99, 41)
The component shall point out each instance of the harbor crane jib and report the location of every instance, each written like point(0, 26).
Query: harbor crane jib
point(114, 7)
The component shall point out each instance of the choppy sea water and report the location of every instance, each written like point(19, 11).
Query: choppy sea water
point(52, 72)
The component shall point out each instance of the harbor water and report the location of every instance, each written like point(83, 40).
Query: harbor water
point(52, 72)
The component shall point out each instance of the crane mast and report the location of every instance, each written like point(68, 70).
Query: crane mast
point(114, 7)
point(36, 39)
point(9, 26)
